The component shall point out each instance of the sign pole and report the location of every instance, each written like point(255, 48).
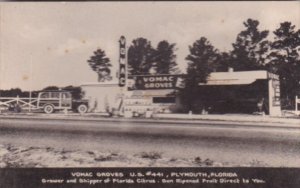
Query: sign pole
point(122, 71)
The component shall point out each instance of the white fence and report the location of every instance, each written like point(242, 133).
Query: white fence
point(23, 103)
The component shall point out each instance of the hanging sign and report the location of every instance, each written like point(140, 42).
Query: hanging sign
point(148, 82)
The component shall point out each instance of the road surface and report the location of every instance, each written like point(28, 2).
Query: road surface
point(237, 143)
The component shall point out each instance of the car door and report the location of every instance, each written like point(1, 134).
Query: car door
point(66, 100)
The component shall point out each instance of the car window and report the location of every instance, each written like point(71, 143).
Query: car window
point(66, 95)
point(55, 95)
point(44, 95)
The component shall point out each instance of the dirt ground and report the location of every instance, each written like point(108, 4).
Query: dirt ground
point(17, 156)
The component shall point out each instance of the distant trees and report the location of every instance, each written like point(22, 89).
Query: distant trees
point(165, 58)
point(140, 57)
point(76, 91)
point(251, 51)
point(14, 92)
point(284, 58)
point(202, 60)
point(51, 88)
point(250, 48)
point(143, 59)
point(101, 65)
point(224, 61)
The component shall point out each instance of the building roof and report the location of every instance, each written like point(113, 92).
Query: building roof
point(237, 78)
point(100, 84)
point(156, 92)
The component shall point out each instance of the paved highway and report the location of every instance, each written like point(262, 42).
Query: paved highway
point(237, 143)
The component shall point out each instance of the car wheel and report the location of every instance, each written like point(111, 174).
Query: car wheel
point(82, 108)
point(48, 109)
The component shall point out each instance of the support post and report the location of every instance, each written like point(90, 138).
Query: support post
point(31, 79)
point(17, 99)
point(296, 104)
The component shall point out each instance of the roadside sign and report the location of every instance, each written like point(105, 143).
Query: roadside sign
point(149, 82)
point(122, 62)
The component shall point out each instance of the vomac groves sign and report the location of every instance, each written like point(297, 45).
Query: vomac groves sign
point(122, 62)
point(153, 82)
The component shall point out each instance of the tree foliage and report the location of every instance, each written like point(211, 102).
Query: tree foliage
point(143, 59)
point(202, 60)
point(165, 58)
point(250, 49)
point(223, 62)
point(140, 57)
point(101, 65)
point(14, 92)
point(285, 58)
point(76, 91)
point(51, 88)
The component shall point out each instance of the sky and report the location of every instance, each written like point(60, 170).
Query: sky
point(48, 43)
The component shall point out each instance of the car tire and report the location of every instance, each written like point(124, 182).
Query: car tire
point(48, 109)
point(82, 109)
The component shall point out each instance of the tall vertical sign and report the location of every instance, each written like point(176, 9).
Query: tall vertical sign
point(122, 62)
point(274, 95)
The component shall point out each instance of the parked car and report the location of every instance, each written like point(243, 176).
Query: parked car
point(51, 101)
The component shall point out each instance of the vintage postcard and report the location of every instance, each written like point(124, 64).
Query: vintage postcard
point(150, 94)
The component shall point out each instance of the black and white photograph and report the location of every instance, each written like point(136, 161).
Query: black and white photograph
point(197, 84)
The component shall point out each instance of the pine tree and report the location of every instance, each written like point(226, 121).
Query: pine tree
point(140, 57)
point(250, 49)
point(165, 59)
point(101, 65)
point(202, 60)
point(285, 58)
